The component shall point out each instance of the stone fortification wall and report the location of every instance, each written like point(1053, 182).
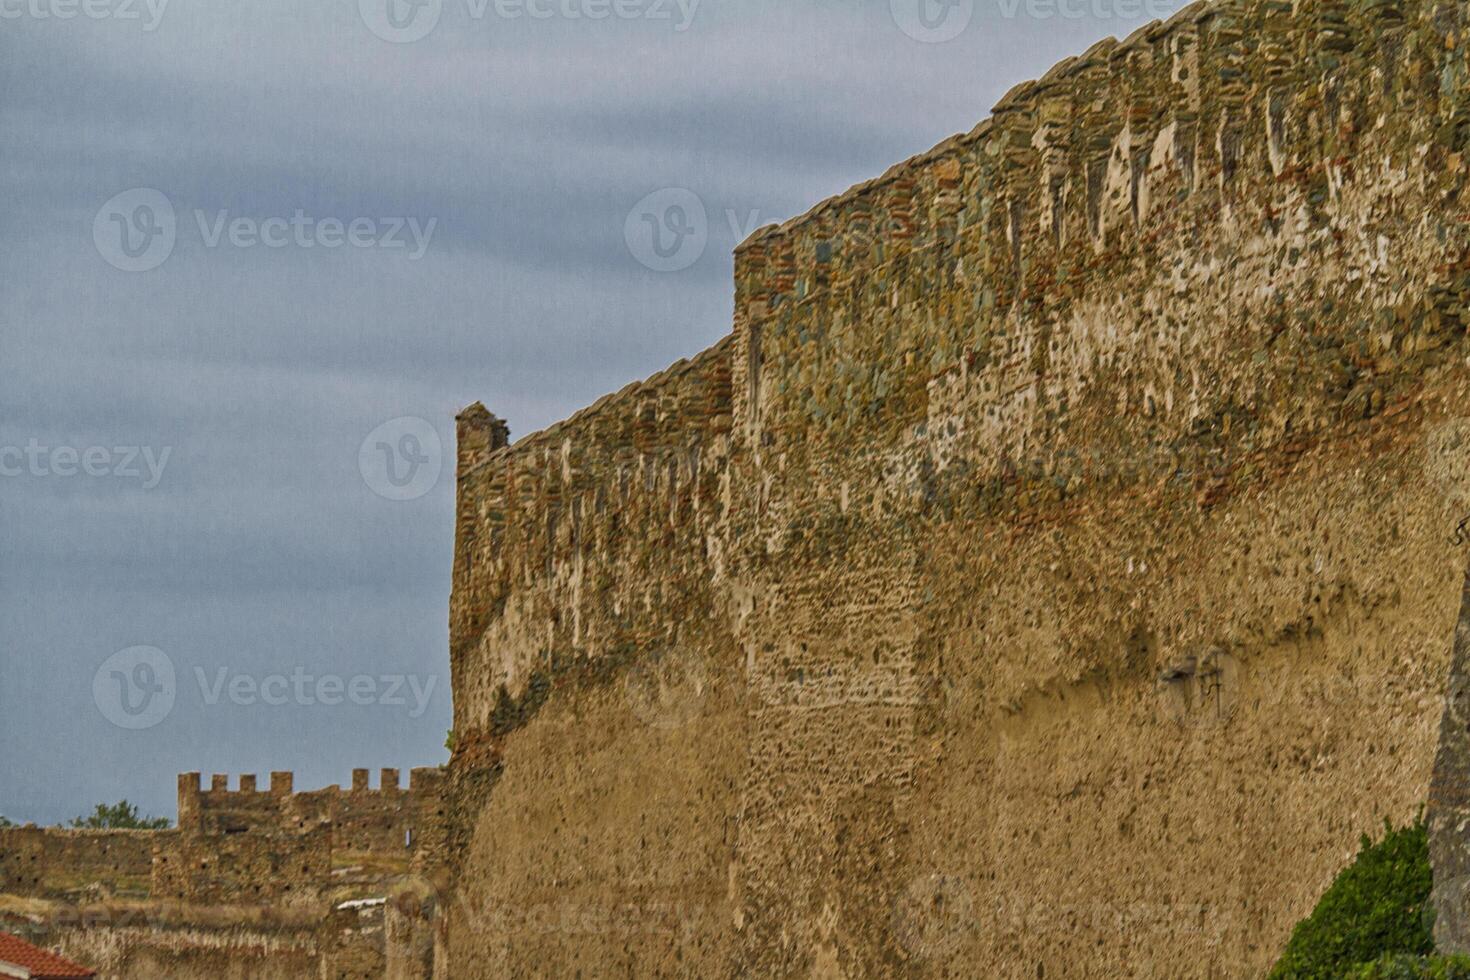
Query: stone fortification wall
point(1066, 581)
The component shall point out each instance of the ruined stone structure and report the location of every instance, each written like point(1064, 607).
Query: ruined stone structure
point(53, 861)
point(251, 883)
point(241, 845)
point(290, 847)
point(1050, 575)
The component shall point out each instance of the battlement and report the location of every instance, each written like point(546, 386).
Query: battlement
point(646, 461)
point(690, 394)
point(192, 792)
point(221, 809)
point(1074, 180)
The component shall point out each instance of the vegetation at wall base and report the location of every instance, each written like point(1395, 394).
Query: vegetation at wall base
point(1403, 967)
point(1374, 922)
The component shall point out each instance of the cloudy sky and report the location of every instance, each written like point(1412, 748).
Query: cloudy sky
point(245, 247)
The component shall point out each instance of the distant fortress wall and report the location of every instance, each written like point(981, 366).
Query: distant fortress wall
point(40, 860)
point(236, 846)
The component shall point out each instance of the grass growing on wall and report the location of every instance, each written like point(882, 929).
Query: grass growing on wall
point(1374, 921)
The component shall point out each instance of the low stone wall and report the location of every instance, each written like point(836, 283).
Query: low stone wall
point(147, 941)
point(50, 861)
point(367, 940)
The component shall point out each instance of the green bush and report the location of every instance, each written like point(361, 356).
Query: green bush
point(1376, 908)
point(1401, 967)
point(121, 815)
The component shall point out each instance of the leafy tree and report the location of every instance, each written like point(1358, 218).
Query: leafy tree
point(5, 823)
point(121, 815)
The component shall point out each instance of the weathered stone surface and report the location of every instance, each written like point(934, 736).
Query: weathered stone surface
point(1449, 798)
point(1050, 575)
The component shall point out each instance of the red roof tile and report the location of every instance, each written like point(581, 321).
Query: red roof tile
point(42, 965)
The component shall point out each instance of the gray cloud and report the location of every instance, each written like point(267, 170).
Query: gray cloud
point(262, 548)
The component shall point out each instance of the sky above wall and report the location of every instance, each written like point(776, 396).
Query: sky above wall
point(255, 256)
